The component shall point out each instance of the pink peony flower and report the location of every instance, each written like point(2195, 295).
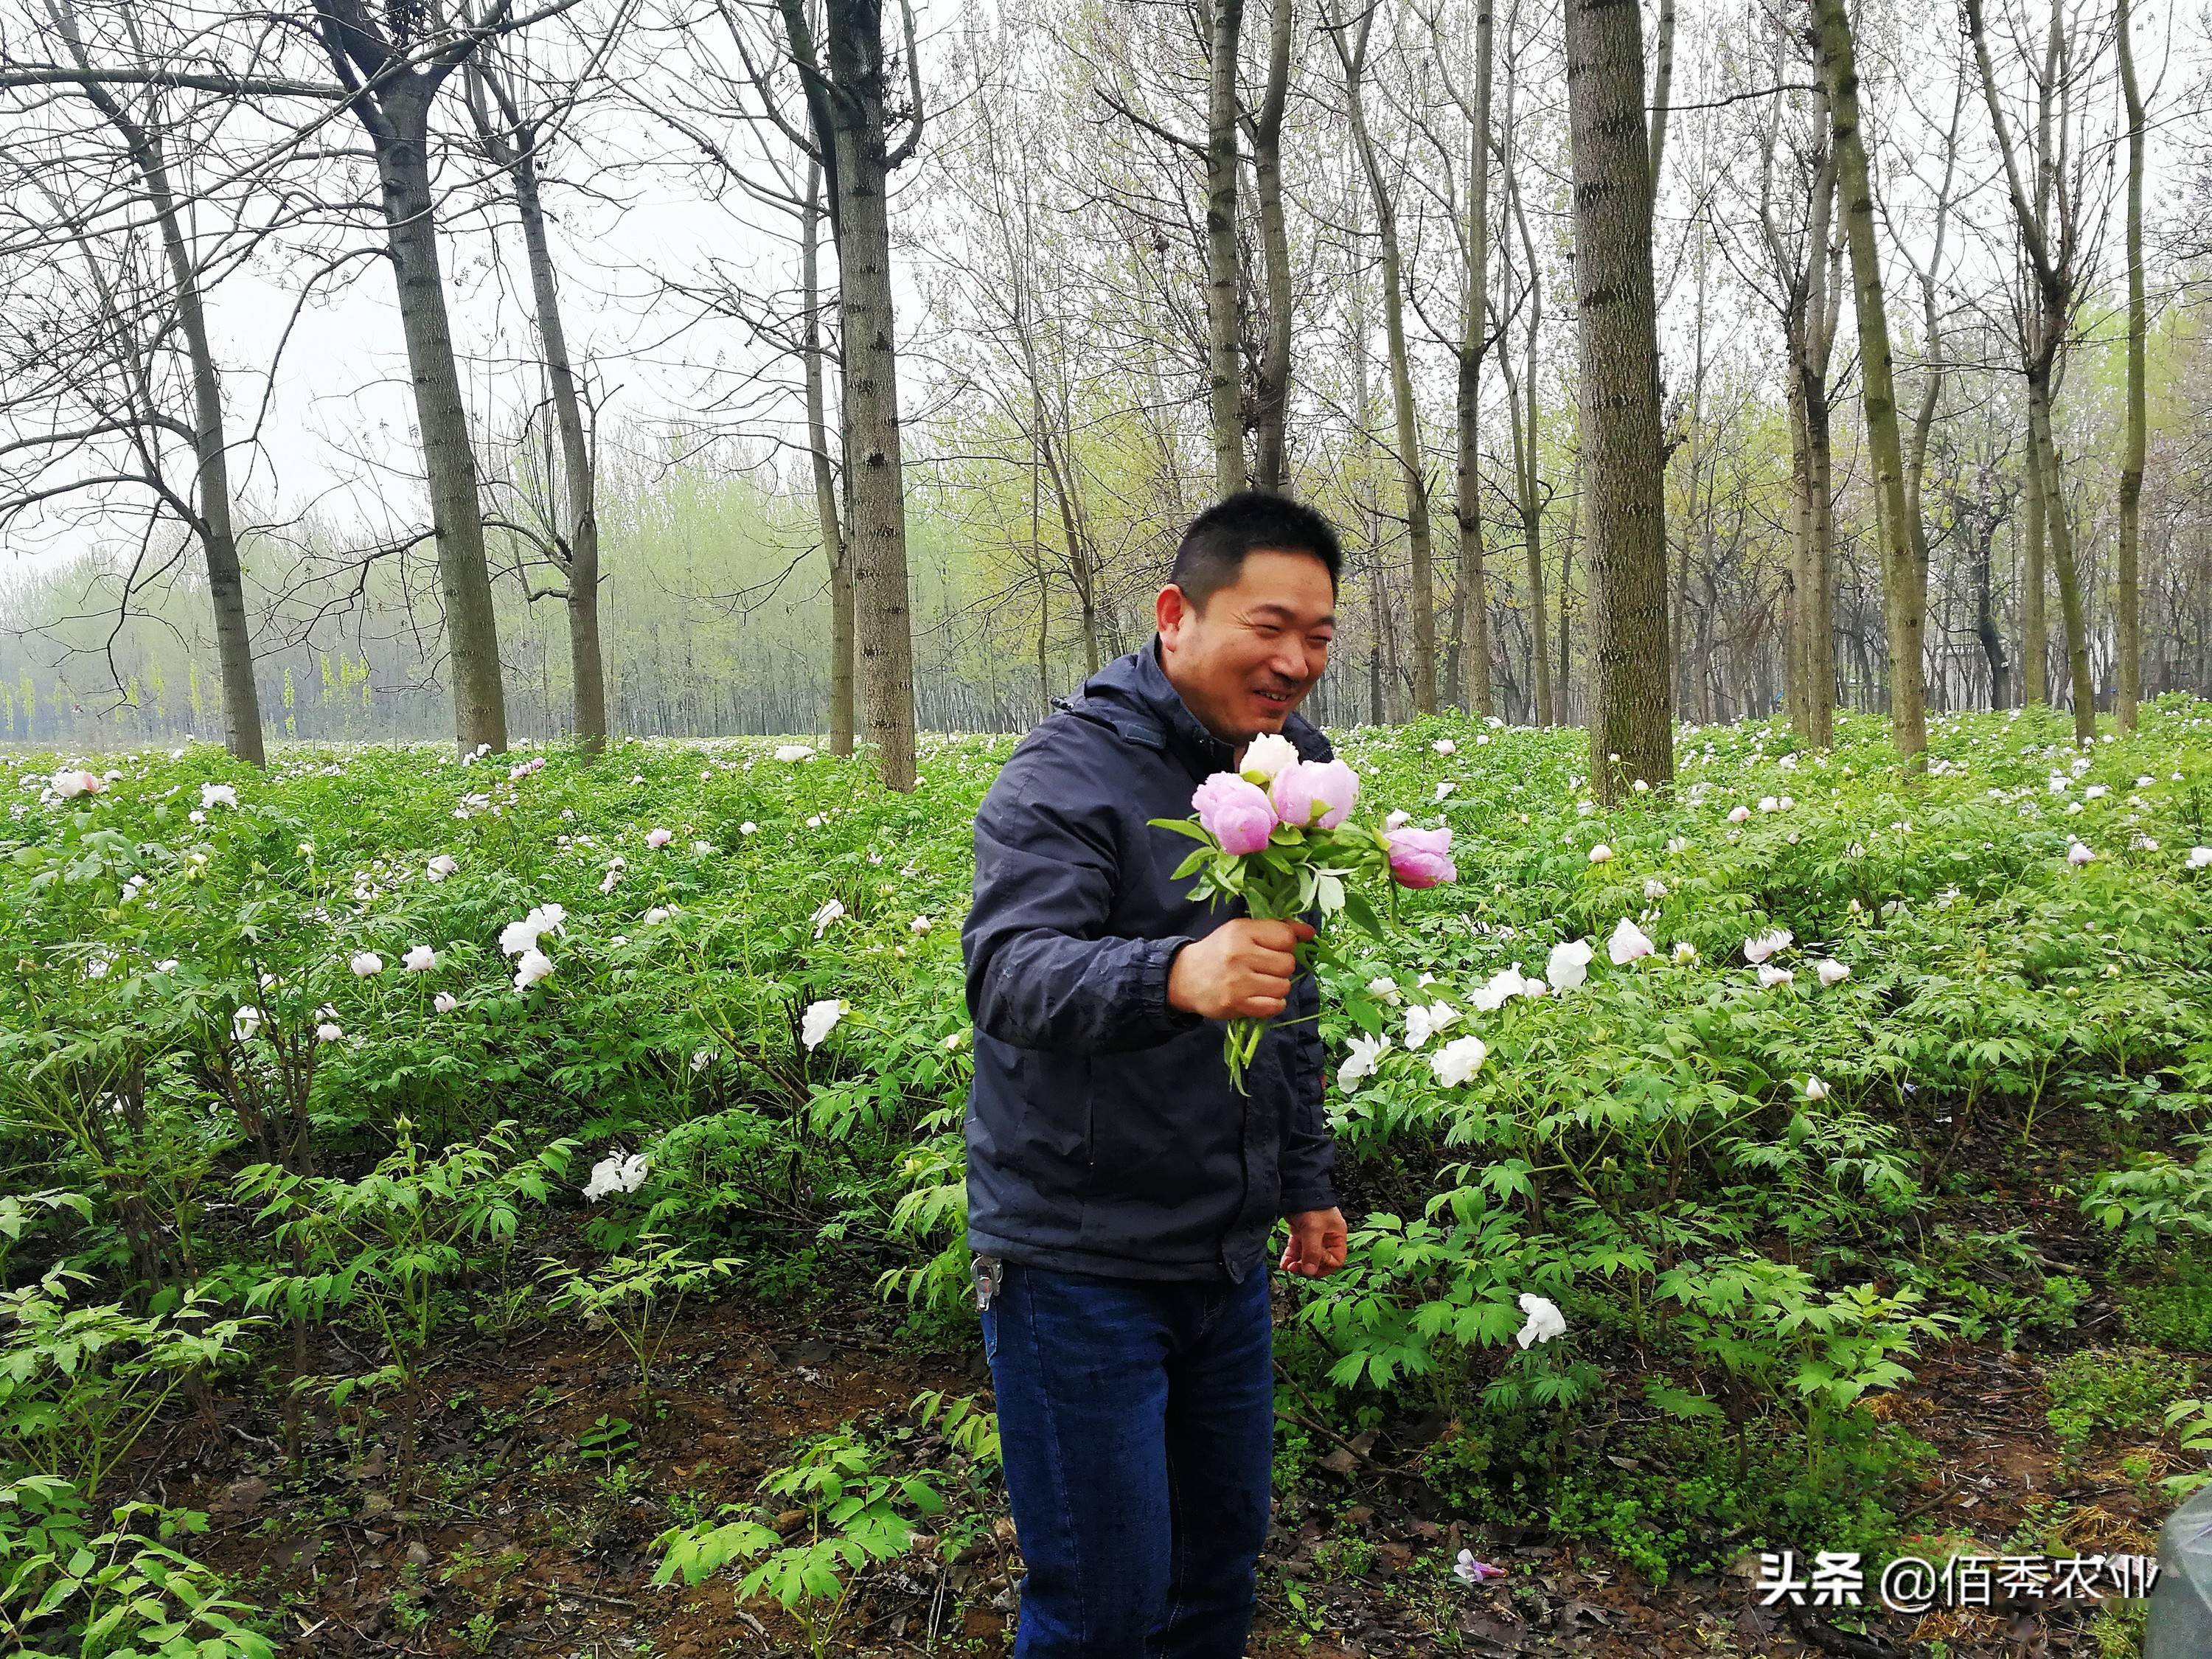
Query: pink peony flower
point(1421, 858)
point(1234, 812)
point(1307, 791)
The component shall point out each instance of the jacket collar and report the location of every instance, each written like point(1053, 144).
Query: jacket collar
point(1135, 690)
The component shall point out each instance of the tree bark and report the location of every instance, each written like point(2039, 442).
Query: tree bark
point(828, 528)
point(1270, 469)
point(449, 455)
point(1908, 718)
point(2129, 607)
point(2035, 580)
point(1632, 735)
point(1223, 341)
point(1471, 629)
point(848, 108)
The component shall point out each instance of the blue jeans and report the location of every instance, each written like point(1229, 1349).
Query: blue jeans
point(1136, 1420)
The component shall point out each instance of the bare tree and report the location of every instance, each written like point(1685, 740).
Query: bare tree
point(516, 140)
point(2049, 223)
point(112, 361)
point(1351, 40)
point(1903, 603)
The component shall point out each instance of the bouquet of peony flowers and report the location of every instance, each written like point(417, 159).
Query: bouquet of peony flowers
point(1279, 835)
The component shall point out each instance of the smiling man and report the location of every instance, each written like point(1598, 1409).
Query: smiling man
point(1120, 1193)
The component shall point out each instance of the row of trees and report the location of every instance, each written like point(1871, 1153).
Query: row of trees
point(1135, 257)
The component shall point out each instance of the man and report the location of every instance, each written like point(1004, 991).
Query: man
point(1120, 1193)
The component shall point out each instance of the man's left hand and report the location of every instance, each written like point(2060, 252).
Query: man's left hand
point(1318, 1241)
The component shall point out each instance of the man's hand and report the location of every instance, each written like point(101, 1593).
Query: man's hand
point(1242, 969)
point(1317, 1243)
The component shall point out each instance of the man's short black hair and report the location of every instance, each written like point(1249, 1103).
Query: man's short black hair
point(1212, 553)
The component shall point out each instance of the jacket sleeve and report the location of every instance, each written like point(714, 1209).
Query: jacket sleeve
point(1308, 1160)
point(1042, 972)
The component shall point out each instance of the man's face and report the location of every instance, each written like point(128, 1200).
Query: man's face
point(1250, 657)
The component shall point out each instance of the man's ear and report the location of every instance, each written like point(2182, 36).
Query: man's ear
point(1170, 610)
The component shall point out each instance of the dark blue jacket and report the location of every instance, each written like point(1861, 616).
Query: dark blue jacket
point(1102, 1133)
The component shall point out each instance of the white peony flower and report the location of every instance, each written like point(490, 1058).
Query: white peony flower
point(658, 838)
point(518, 937)
point(442, 866)
point(2079, 853)
point(1601, 853)
point(444, 1002)
point(1739, 814)
point(217, 795)
point(830, 911)
point(367, 965)
point(1770, 976)
point(1628, 943)
point(748, 828)
point(1398, 819)
point(532, 966)
point(789, 751)
point(1422, 1023)
point(617, 1174)
point(1366, 1053)
point(1654, 889)
point(1831, 971)
point(1685, 951)
point(1815, 1089)
point(245, 1021)
point(1445, 746)
point(1544, 1319)
point(658, 912)
point(328, 1031)
point(1757, 948)
point(2198, 857)
point(419, 959)
point(1266, 756)
point(1384, 988)
point(1458, 1060)
point(1676, 844)
point(1568, 965)
point(1445, 788)
point(819, 1020)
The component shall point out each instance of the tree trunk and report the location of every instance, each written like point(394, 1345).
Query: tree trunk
point(1877, 380)
point(1413, 479)
point(1271, 464)
point(883, 621)
point(1471, 609)
point(828, 528)
point(2057, 524)
point(1224, 381)
point(1985, 621)
point(2035, 626)
point(218, 537)
point(400, 140)
point(1631, 733)
point(1663, 82)
point(586, 663)
point(2128, 606)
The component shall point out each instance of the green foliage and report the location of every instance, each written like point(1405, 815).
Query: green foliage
point(79, 1384)
point(639, 1294)
point(854, 1512)
point(73, 1587)
point(2115, 1391)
